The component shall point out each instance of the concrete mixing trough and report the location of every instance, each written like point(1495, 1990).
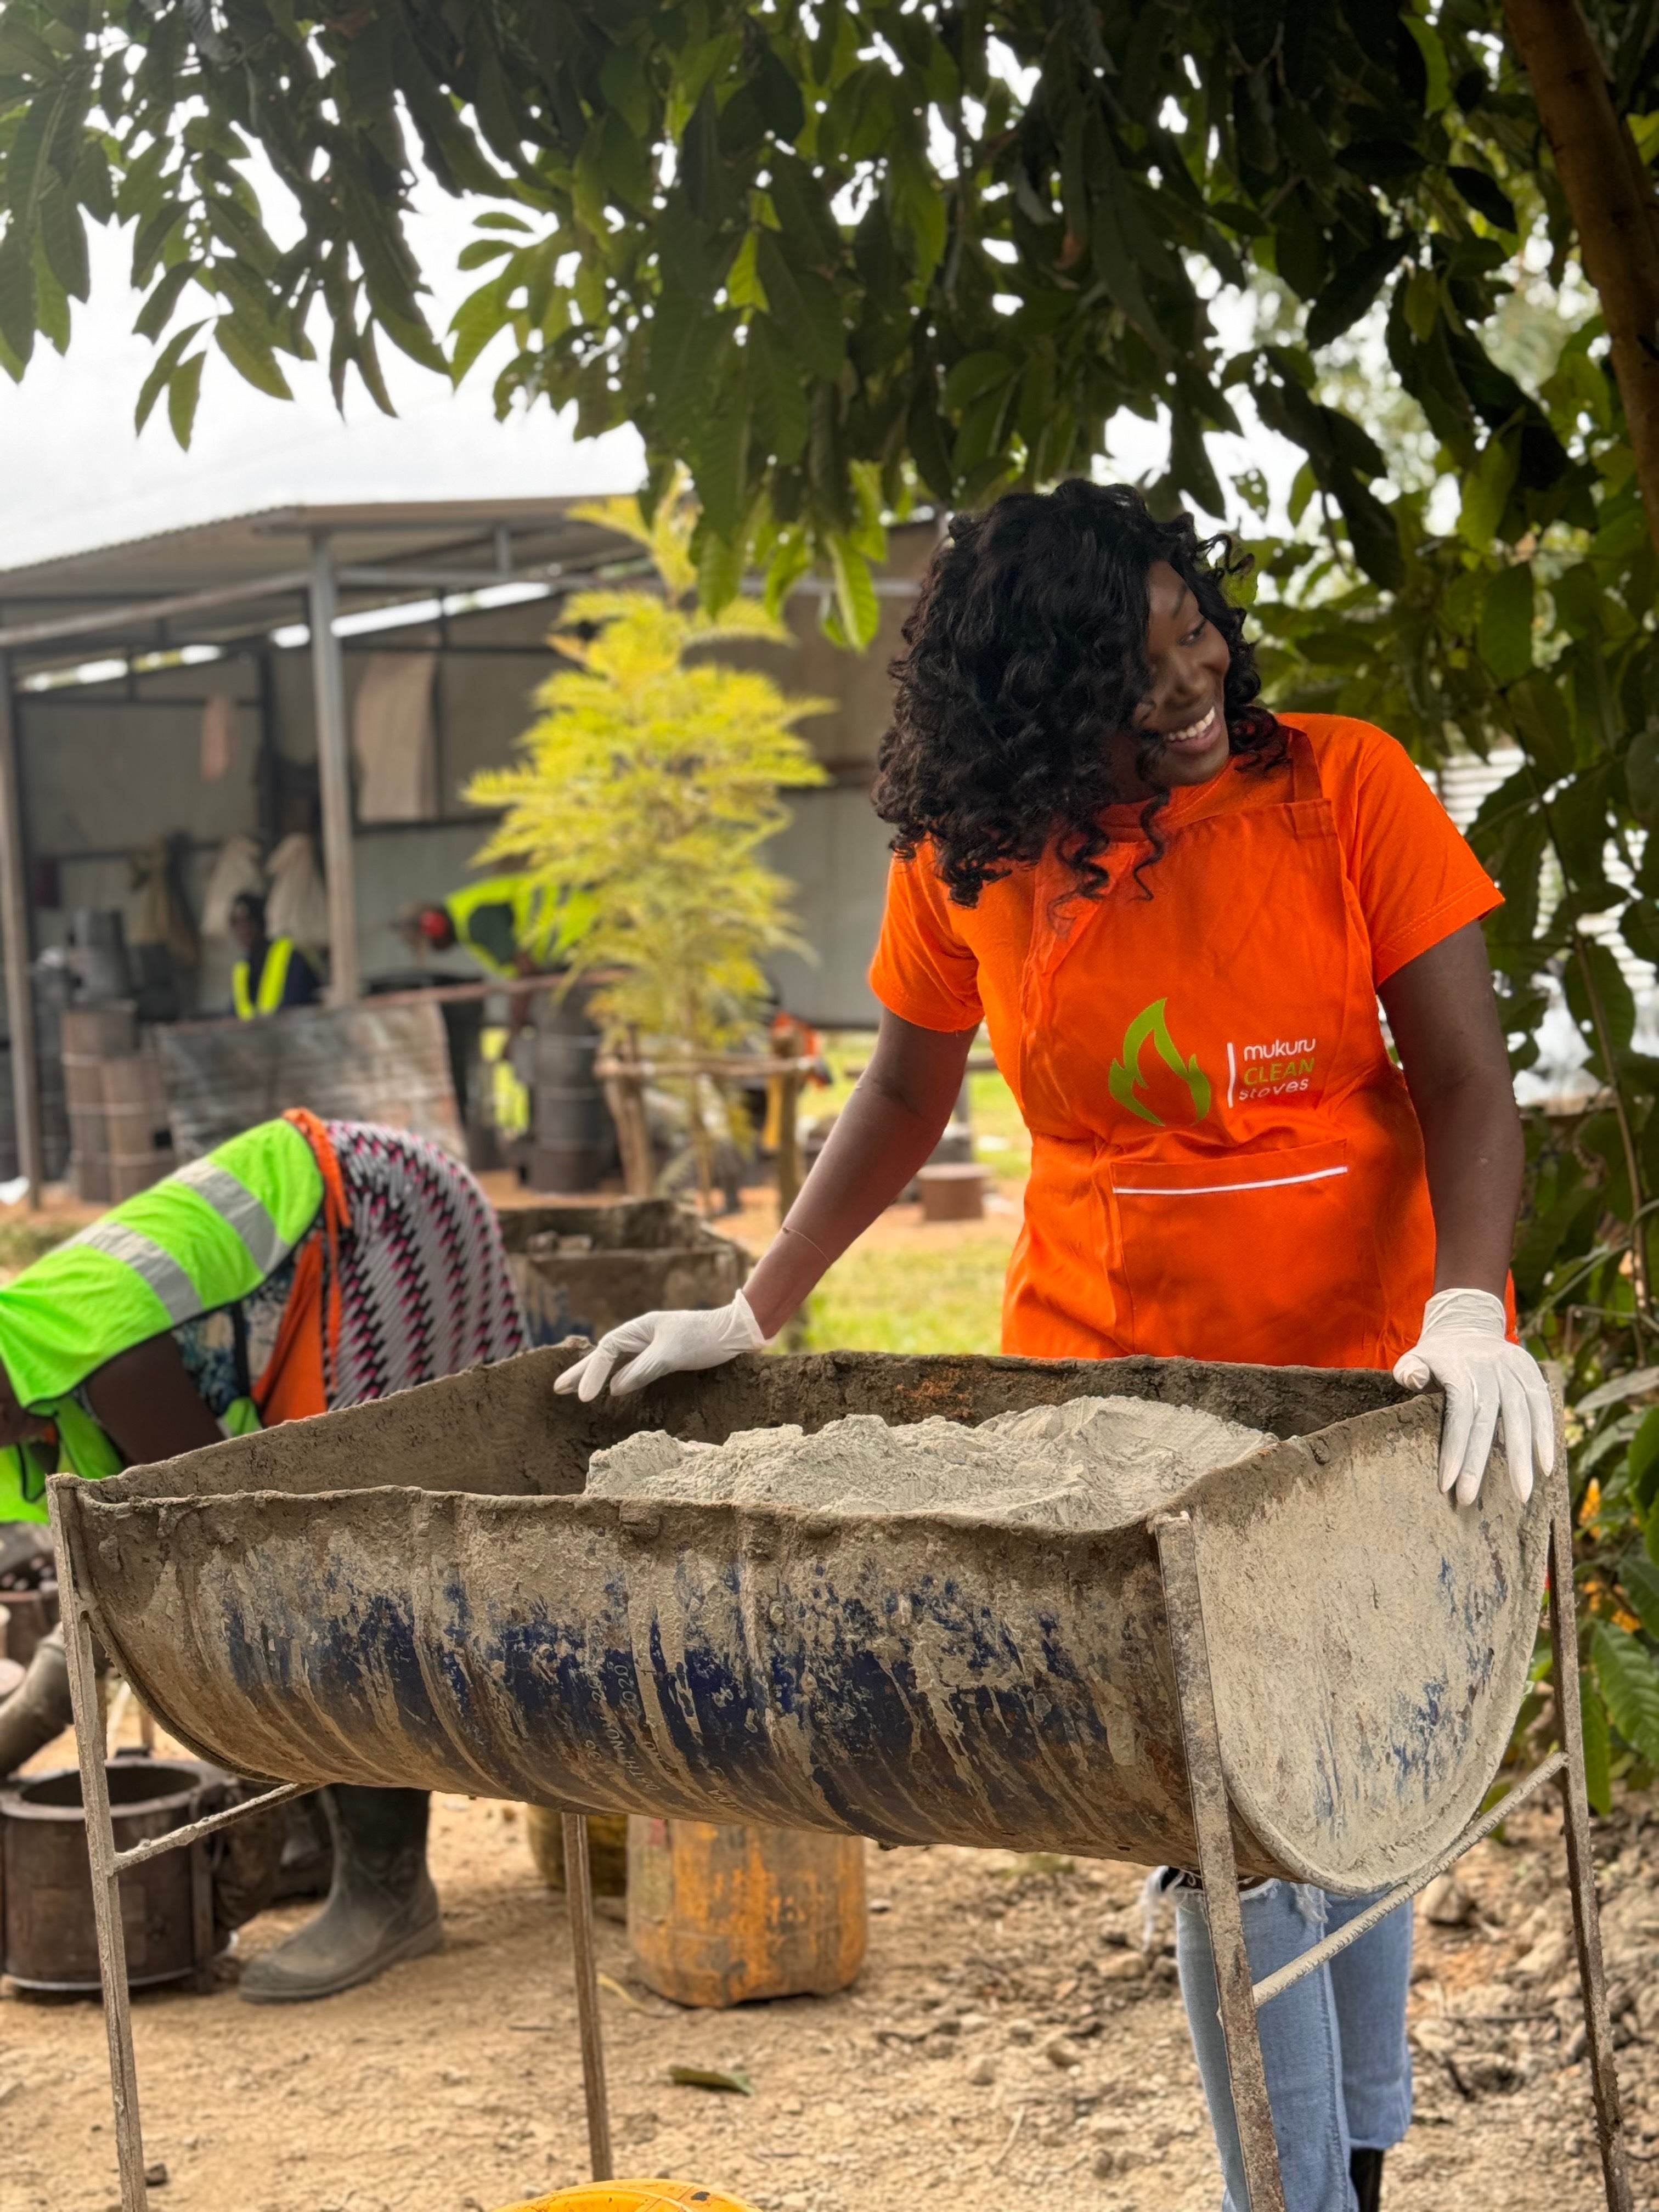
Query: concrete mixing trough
point(409, 1593)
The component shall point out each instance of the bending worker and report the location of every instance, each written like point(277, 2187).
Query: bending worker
point(270, 976)
point(302, 1266)
point(1174, 911)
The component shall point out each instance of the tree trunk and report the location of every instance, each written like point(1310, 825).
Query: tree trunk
point(1611, 198)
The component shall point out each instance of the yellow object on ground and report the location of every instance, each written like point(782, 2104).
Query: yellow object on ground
point(607, 1849)
point(632, 2197)
point(718, 1915)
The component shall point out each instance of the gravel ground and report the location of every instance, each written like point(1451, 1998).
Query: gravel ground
point(1008, 2047)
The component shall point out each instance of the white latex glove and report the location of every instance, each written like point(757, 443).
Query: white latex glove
point(1463, 1347)
point(665, 1344)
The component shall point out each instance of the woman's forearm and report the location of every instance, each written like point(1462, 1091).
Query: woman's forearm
point(1475, 1157)
point(1450, 1039)
point(882, 1135)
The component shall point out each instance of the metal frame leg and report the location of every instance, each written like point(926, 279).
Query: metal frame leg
point(1201, 1735)
point(579, 1899)
point(89, 1709)
point(1581, 1857)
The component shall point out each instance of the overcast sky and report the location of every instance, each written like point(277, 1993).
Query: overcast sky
point(74, 473)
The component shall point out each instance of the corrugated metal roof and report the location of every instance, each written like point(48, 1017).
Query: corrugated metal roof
point(540, 537)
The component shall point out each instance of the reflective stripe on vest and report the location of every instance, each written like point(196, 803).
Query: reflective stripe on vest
point(200, 1240)
point(273, 981)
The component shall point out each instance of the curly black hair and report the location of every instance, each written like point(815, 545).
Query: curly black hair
point(1024, 654)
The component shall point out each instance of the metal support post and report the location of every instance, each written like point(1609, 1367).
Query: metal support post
point(89, 1711)
point(334, 778)
point(1581, 1857)
point(1212, 1825)
point(14, 920)
point(579, 1899)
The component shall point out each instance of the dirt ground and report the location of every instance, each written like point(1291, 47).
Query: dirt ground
point(1008, 2047)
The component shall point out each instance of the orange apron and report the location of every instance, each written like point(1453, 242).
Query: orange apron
point(1226, 1164)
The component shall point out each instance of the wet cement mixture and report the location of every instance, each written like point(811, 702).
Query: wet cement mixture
point(1086, 1463)
point(1008, 2047)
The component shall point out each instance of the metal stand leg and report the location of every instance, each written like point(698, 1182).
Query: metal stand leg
point(579, 1896)
point(1581, 1861)
point(89, 1709)
point(1183, 1599)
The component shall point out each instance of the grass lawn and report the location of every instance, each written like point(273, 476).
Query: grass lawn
point(908, 1286)
point(924, 1294)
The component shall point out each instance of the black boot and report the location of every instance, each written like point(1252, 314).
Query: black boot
point(381, 1905)
point(38, 1708)
point(307, 1863)
point(1365, 2172)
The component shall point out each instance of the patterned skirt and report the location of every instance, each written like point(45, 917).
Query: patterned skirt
point(424, 1286)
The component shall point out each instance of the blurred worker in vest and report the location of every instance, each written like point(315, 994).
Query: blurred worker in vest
point(303, 1266)
point(270, 976)
point(498, 921)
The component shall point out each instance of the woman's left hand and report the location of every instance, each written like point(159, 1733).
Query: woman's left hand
point(1465, 1348)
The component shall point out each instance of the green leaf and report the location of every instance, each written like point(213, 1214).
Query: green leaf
point(1639, 925)
point(1639, 1579)
point(856, 603)
point(719, 572)
point(918, 203)
point(1487, 486)
point(1484, 194)
point(975, 374)
point(1629, 1682)
point(1421, 304)
point(1543, 724)
point(476, 322)
point(250, 357)
point(17, 294)
point(63, 234)
point(1506, 623)
point(1351, 290)
point(1642, 774)
point(1598, 1749)
point(1642, 1464)
point(1434, 62)
point(805, 309)
point(798, 200)
point(157, 312)
point(162, 370)
point(784, 418)
point(183, 392)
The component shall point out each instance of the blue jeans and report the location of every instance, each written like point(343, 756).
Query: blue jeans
point(1333, 2046)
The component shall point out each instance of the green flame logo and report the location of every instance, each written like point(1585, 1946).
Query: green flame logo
point(1124, 1077)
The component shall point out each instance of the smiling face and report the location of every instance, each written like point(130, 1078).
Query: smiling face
point(1179, 733)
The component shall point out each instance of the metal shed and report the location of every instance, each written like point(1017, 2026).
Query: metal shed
point(108, 657)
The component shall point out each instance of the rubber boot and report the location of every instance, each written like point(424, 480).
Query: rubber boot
point(1365, 2172)
point(307, 1867)
point(381, 1905)
point(38, 1708)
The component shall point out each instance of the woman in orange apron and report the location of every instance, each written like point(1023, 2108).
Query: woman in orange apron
point(1175, 913)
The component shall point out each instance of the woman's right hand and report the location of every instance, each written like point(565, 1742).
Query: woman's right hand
point(668, 1343)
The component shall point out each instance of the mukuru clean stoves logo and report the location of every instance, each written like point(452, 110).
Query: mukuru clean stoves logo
point(1173, 1090)
point(1276, 1069)
point(1168, 1088)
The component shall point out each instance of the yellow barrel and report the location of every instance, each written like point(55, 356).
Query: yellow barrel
point(718, 1915)
point(607, 1849)
point(632, 2197)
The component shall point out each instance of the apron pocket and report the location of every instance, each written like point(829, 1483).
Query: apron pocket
point(1252, 1257)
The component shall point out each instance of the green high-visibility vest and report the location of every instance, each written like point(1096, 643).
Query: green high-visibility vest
point(543, 920)
point(273, 980)
point(201, 1240)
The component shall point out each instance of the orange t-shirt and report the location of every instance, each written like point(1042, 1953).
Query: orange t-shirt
point(948, 967)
